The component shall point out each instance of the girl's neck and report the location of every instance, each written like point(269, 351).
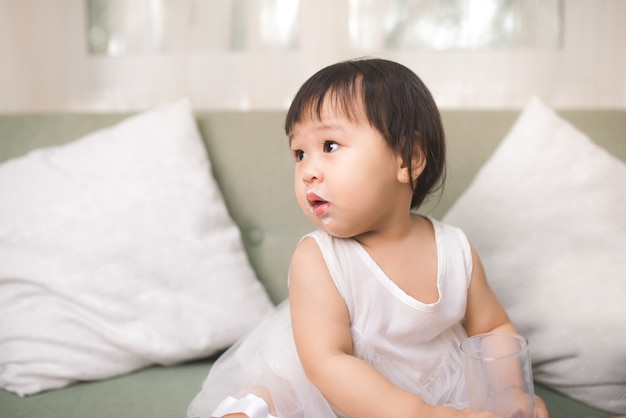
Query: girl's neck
point(395, 232)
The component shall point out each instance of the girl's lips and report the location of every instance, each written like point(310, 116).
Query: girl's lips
point(319, 205)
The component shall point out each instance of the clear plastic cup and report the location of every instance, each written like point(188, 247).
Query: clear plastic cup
point(498, 375)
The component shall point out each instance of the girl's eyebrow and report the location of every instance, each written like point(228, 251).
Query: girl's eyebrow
point(330, 126)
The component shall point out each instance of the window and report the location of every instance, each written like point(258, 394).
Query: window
point(456, 24)
point(139, 27)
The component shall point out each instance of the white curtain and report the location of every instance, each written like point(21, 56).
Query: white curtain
point(45, 64)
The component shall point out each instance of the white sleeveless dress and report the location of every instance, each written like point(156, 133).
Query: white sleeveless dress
point(414, 344)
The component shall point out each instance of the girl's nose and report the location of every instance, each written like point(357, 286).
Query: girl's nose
point(311, 171)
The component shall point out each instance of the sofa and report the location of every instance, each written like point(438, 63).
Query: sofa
point(252, 167)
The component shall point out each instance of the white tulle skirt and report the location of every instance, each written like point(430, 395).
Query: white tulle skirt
point(265, 364)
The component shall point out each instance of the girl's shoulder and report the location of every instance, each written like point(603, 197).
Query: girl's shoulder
point(452, 241)
point(446, 230)
point(324, 240)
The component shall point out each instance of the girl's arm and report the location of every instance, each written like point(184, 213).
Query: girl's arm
point(485, 314)
point(321, 327)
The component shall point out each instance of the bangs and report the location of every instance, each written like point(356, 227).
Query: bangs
point(342, 95)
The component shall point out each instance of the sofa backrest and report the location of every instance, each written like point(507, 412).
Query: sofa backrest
point(252, 164)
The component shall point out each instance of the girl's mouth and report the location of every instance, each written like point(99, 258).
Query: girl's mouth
point(319, 205)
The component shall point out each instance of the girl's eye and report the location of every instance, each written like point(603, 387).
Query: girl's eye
point(298, 155)
point(330, 146)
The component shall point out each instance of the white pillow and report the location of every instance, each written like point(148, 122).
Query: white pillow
point(116, 252)
point(547, 214)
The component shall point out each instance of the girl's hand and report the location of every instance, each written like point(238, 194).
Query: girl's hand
point(466, 413)
point(541, 411)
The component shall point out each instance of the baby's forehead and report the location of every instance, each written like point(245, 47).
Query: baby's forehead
point(339, 103)
point(319, 124)
point(330, 120)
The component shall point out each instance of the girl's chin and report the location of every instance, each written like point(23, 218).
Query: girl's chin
point(326, 219)
point(331, 228)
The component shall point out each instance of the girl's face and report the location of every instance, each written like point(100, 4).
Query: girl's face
point(348, 181)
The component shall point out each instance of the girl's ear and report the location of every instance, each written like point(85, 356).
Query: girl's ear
point(403, 174)
point(418, 163)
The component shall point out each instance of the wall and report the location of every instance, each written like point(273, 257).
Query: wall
point(44, 65)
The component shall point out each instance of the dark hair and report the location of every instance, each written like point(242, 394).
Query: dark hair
point(397, 104)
